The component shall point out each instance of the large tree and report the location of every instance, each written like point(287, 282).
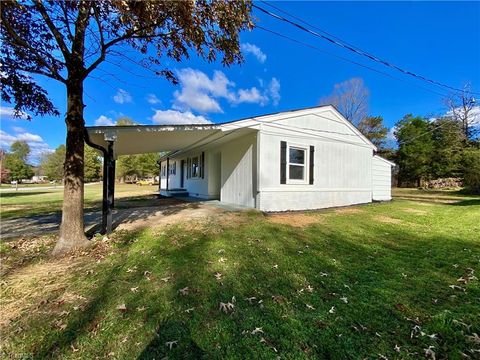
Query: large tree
point(447, 136)
point(350, 97)
point(415, 149)
point(461, 108)
point(16, 161)
point(67, 40)
point(52, 163)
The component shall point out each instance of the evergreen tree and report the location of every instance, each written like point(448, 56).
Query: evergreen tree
point(447, 136)
point(415, 149)
point(372, 127)
point(471, 168)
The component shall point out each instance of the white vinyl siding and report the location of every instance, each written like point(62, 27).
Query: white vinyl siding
point(381, 179)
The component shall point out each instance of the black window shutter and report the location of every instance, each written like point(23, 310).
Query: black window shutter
point(312, 162)
point(188, 168)
point(202, 166)
point(283, 162)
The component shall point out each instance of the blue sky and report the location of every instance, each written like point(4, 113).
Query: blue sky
point(440, 40)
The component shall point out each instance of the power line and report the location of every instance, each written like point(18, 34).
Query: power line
point(358, 51)
point(348, 60)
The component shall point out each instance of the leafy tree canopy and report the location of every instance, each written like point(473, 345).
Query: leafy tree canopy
point(16, 161)
point(93, 164)
point(52, 164)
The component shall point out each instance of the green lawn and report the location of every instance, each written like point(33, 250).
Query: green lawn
point(49, 201)
point(351, 283)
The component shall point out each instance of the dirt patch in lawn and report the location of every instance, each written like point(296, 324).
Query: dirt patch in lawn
point(387, 219)
point(416, 211)
point(157, 217)
point(294, 219)
point(349, 210)
point(30, 288)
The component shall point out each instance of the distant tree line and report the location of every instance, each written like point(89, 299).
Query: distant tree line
point(426, 148)
point(51, 164)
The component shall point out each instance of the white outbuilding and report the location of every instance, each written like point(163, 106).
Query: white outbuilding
point(303, 159)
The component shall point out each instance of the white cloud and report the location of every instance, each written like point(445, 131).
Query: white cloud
point(38, 146)
point(254, 50)
point(152, 99)
point(104, 121)
point(9, 112)
point(122, 97)
point(274, 91)
point(473, 115)
point(200, 93)
point(174, 117)
point(252, 95)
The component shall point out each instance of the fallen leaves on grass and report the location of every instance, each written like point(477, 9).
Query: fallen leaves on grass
point(171, 344)
point(257, 330)
point(228, 307)
point(122, 308)
point(183, 291)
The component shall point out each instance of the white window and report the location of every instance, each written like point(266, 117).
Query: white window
point(173, 168)
point(195, 167)
point(297, 160)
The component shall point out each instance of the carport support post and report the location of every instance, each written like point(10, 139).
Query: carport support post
point(108, 189)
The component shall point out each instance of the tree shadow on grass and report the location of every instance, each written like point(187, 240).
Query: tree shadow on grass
point(472, 202)
point(368, 258)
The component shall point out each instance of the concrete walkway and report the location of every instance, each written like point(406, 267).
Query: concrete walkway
point(173, 211)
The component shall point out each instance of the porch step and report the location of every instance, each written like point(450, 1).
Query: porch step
point(173, 192)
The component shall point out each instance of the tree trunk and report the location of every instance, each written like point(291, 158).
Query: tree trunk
point(72, 231)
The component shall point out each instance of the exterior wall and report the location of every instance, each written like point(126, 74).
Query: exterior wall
point(197, 187)
point(238, 182)
point(381, 179)
point(342, 165)
point(229, 172)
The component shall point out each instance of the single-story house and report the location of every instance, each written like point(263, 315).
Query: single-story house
point(303, 159)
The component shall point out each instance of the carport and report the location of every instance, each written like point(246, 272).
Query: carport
point(113, 141)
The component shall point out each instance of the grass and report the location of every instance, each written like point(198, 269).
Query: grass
point(49, 201)
point(356, 283)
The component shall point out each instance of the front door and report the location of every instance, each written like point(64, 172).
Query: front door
point(182, 173)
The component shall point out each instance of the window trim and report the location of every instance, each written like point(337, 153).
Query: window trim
point(306, 162)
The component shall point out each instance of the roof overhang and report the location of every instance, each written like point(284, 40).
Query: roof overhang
point(179, 139)
point(174, 139)
point(392, 164)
